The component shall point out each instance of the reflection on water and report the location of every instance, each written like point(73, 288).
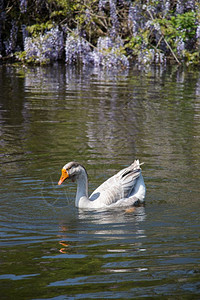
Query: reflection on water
point(113, 217)
point(108, 225)
point(52, 115)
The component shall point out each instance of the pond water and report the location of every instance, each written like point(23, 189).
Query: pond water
point(51, 250)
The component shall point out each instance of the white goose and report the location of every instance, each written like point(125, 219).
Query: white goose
point(125, 188)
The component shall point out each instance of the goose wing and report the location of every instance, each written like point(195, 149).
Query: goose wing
point(119, 186)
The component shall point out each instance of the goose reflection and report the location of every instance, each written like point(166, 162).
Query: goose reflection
point(104, 226)
point(113, 224)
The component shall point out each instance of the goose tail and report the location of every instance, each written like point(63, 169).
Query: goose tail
point(136, 164)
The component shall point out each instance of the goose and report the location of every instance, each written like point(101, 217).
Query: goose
point(126, 188)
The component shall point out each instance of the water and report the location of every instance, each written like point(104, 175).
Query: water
point(50, 249)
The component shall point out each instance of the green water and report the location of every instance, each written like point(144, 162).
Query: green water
point(51, 250)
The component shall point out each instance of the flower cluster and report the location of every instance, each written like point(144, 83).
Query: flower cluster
point(77, 50)
point(106, 54)
point(10, 44)
point(133, 18)
point(23, 5)
point(46, 47)
point(198, 32)
point(114, 18)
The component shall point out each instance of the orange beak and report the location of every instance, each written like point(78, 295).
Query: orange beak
point(64, 176)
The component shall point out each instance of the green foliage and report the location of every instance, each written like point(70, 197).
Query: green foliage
point(185, 24)
point(168, 29)
point(22, 56)
point(134, 43)
point(35, 29)
point(181, 27)
point(192, 58)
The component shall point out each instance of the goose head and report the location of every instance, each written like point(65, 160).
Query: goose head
point(71, 170)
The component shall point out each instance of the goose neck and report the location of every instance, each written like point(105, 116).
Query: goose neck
point(82, 188)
